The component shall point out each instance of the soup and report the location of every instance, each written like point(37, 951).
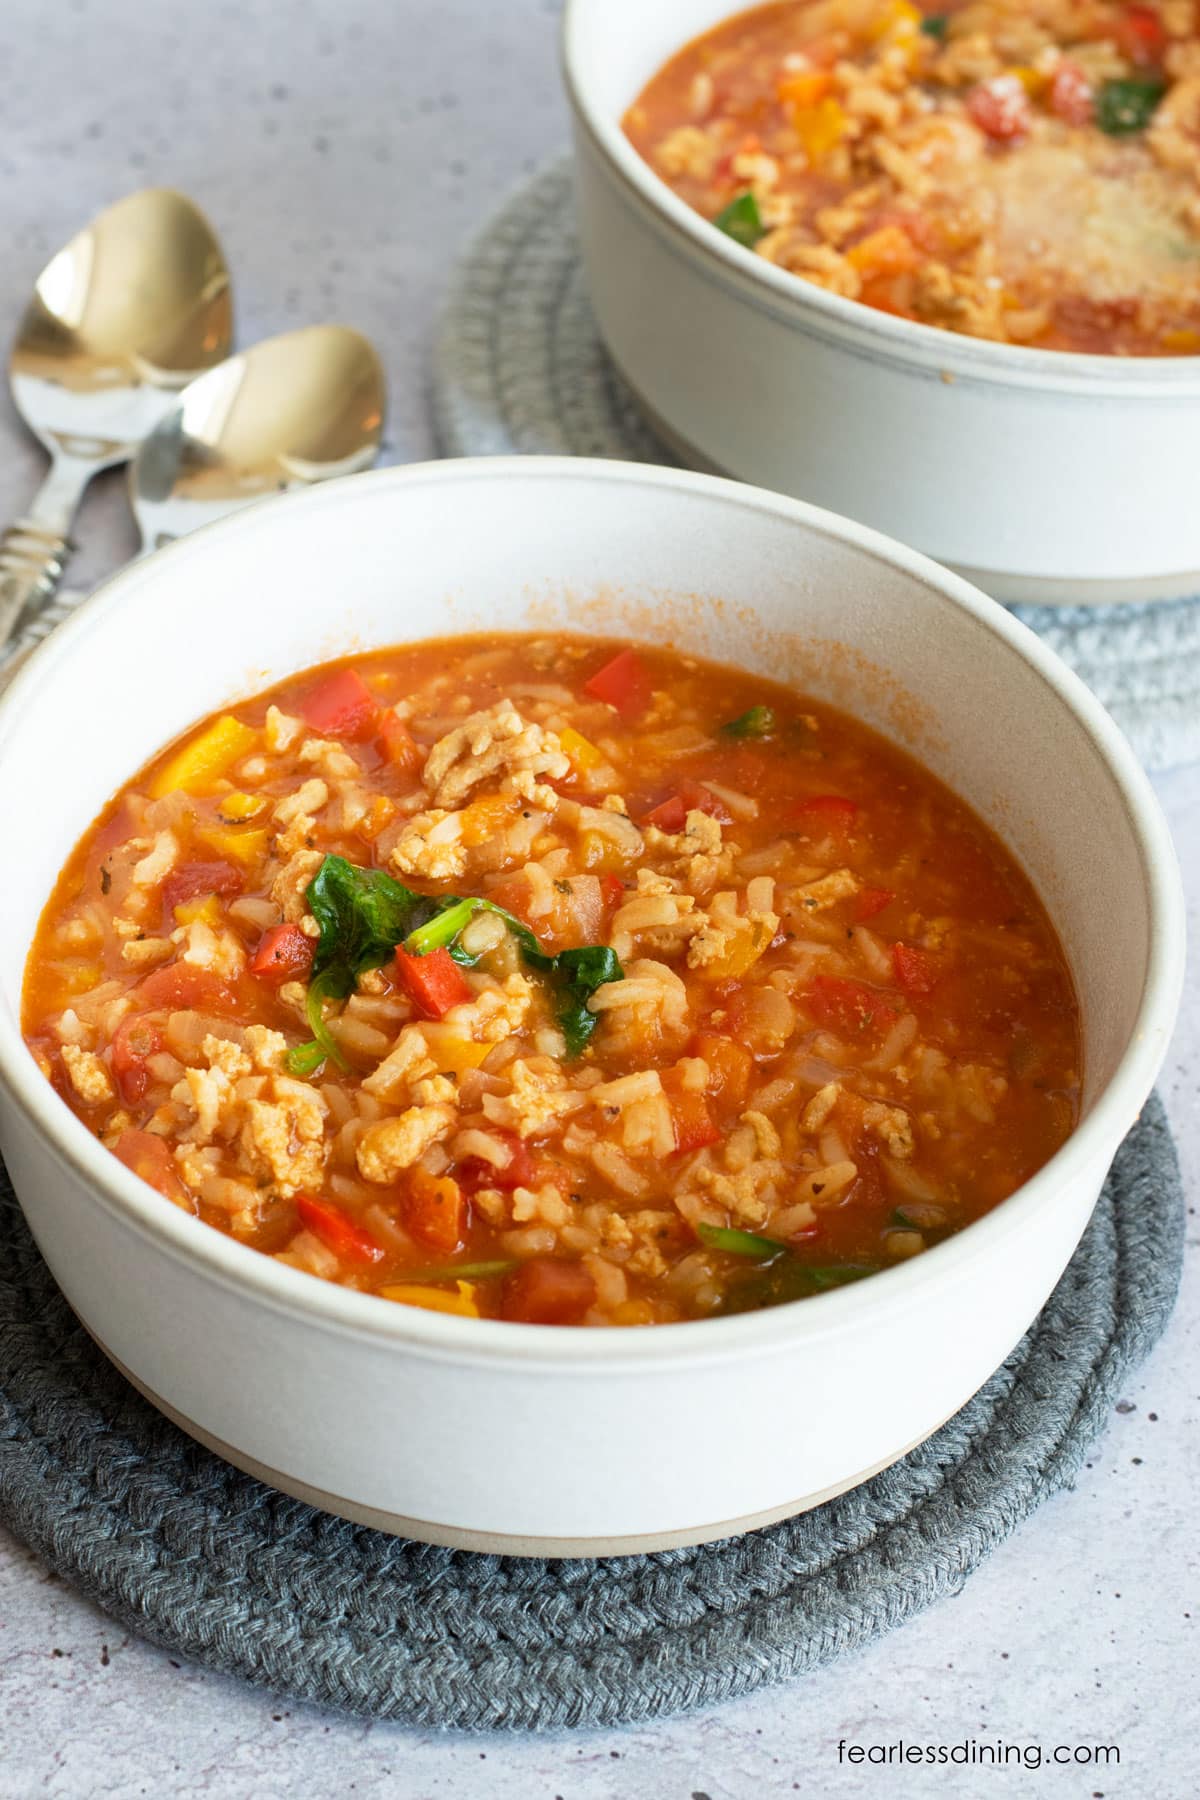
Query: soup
point(556, 980)
point(1018, 170)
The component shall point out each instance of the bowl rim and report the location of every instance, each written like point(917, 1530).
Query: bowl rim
point(325, 1305)
point(803, 305)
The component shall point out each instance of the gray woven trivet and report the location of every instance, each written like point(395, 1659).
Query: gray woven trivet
point(208, 1563)
point(520, 368)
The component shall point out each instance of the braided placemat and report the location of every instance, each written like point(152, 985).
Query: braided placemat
point(520, 368)
point(207, 1562)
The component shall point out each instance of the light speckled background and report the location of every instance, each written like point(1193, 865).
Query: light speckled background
point(344, 151)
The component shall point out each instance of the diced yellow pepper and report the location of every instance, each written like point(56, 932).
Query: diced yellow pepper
point(582, 752)
point(204, 907)
point(238, 809)
point(453, 1053)
point(898, 22)
point(1182, 342)
point(741, 955)
point(207, 756)
point(462, 1304)
point(79, 977)
point(1032, 80)
point(245, 847)
point(484, 818)
point(600, 855)
point(819, 128)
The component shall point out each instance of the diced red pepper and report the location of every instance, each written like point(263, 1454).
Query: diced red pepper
point(694, 1127)
point(190, 879)
point(869, 901)
point(435, 1211)
point(547, 1291)
point(1000, 108)
point(397, 744)
point(149, 1157)
point(433, 983)
point(341, 706)
point(284, 953)
point(475, 1172)
point(135, 1039)
point(623, 683)
point(179, 986)
point(1071, 95)
point(1141, 36)
point(849, 1007)
point(916, 970)
point(339, 1233)
point(825, 815)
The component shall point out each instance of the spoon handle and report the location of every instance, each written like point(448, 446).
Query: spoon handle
point(32, 559)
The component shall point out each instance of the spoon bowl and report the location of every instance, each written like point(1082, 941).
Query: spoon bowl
point(292, 410)
point(135, 306)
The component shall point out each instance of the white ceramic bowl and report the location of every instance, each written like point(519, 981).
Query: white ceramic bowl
point(524, 1437)
point(1039, 474)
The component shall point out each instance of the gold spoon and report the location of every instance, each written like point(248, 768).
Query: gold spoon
point(127, 313)
point(287, 412)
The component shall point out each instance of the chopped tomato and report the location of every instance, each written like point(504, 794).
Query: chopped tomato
point(850, 1007)
point(669, 815)
point(547, 1291)
point(433, 983)
point(690, 1116)
point(1071, 94)
point(915, 969)
point(435, 1211)
point(730, 1066)
point(149, 1157)
point(690, 796)
point(475, 1172)
point(1000, 108)
point(397, 744)
point(623, 683)
point(869, 901)
point(135, 1039)
point(822, 815)
point(179, 986)
point(190, 879)
point(341, 706)
point(339, 1233)
point(284, 953)
point(1140, 35)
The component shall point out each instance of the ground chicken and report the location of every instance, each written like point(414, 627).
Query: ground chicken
point(88, 1075)
point(496, 742)
point(389, 1147)
point(284, 1138)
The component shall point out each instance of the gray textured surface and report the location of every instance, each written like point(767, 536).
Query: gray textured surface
point(520, 367)
point(210, 1564)
point(1080, 1629)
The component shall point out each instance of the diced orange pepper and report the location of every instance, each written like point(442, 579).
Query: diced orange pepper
point(246, 847)
point(804, 87)
point(377, 818)
point(888, 251)
point(820, 128)
point(435, 1212)
point(453, 1053)
point(484, 818)
point(742, 954)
